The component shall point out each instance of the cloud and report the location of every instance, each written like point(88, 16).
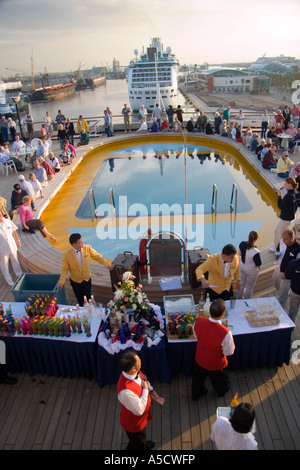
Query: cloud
point(60, 32)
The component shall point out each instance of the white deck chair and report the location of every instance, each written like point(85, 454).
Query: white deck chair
point(35, 142)
point(9, 164)
point(296, 146)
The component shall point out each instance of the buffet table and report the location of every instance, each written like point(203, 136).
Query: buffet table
point(267, 346)
point(155, 364)
point(82, 356)
point(75, 356)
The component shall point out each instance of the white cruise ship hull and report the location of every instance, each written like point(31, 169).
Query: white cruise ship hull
point(152, 71)
point(147, 97)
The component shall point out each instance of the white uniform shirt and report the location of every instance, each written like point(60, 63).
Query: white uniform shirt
point(226, 438)
point(130, 400)
point(7, 242)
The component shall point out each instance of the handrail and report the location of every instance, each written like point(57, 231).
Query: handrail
point(112, 203)
point(233, 196)
point(214, 199)
point(91, 204)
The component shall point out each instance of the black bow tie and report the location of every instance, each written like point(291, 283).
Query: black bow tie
point(78, 251)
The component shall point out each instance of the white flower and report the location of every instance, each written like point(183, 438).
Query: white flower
point(127, 276)
point(134, 306)
point(119, 294)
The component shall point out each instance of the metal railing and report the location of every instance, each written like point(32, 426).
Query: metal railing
point(233, 200)
point(112, 203)
point(93, 200)
point(214, 200)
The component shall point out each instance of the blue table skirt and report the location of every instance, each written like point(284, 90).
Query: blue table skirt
point(269, 349)
point(54, 358)
point(155, 364)
point(161, 362)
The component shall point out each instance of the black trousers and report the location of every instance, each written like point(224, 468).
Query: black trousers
point(3, 373)
point(82, 289)
point(219, 380)
point(225, 295)
point(137, 440)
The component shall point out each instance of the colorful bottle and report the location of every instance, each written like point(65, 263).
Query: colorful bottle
point(234, 403)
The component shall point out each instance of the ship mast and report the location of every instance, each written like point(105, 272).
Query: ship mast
point(158, 99)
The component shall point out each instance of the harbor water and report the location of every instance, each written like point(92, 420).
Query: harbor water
point(91, 103)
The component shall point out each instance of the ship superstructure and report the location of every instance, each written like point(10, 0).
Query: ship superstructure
point(153, 77)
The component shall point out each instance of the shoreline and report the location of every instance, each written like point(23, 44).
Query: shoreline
point(247, 102)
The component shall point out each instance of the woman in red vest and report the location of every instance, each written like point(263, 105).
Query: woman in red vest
point(215, 342)
point(134, 394)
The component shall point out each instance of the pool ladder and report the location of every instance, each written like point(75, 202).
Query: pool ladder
point(233, 200)
point(112, 203)
point(214, 199)
point(93, 200)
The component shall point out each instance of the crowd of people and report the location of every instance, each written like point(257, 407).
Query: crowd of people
point(233, 272)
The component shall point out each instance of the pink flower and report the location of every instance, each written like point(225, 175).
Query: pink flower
point(126, 299)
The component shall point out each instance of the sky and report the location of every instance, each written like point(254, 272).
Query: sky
point(62, 34)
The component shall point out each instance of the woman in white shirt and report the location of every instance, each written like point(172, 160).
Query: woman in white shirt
point(235, 433)
point(250, 263)
point(54, 162)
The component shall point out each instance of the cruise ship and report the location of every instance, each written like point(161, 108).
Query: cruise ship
point(153, 77)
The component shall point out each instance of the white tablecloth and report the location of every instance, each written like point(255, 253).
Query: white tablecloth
point(18, 309)
point(237, 317)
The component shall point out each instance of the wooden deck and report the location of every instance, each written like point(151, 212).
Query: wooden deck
point(48, 413)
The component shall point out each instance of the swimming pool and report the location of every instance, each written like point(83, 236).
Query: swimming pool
point(153, 175)
point(151, 178)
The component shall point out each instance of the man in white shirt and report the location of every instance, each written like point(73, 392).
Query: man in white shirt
point(143, 127)
point(9, 245)
point(18, 144)
point(236, 433)
point(27, 186)
point(37, 187)
point(134, 394)
point(214, 343)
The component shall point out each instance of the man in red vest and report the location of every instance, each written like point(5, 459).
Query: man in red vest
point(215, 342)
point(134, 394)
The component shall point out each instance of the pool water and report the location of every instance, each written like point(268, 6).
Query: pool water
point(154, 176)
point(150, 178)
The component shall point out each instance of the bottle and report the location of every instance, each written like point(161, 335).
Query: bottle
point(206, 306)
point(85, 306)
point(139, 329)
point(201, 304)
point(233, 404)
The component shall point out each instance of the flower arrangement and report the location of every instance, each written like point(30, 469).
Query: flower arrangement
point(41, 304)
point(129, 299)
point(127, 296)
